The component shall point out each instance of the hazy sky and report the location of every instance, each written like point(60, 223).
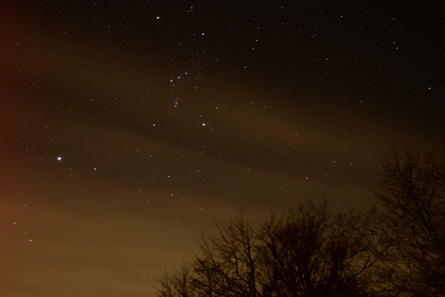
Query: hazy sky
point(128, 127)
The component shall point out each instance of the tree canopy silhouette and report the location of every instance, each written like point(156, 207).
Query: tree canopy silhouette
point(410, 197)
point(309, 251)
point(394, 249)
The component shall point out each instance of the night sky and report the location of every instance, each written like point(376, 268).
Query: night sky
point(128, 127)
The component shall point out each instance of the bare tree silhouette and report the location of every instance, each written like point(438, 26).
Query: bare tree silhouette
point(308, 252)
point(232, 257)
point(313, 252)
point(410, 198)
point(178, 284)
